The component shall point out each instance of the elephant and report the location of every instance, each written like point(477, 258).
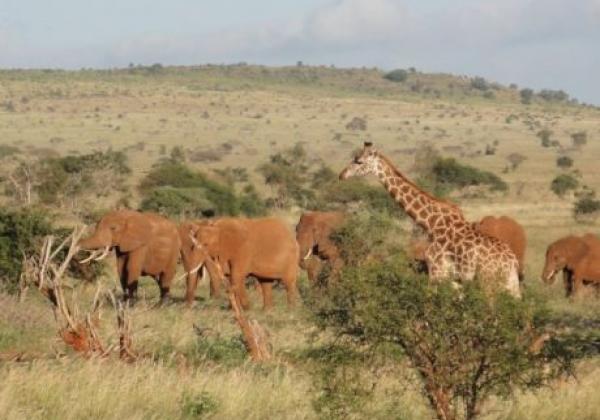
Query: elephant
point(264, 248)
point(509, 231)
point(316, 247)
point(194, 261)
point(578, 258)
point(145, 244)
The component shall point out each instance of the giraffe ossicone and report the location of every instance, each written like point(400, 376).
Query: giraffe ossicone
point(457, 250)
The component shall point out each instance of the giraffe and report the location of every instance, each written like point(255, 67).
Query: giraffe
point(457, 250)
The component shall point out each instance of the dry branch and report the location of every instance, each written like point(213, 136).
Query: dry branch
point(78, 332)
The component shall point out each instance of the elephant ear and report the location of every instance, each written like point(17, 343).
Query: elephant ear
point(578, 250)
point(137, 232)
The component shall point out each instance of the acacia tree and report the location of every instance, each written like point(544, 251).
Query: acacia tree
point(465, 344)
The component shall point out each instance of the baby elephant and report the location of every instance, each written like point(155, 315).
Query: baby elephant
point(578, 258)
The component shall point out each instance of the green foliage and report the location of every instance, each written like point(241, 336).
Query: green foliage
point(199, 406)
point(553, 95)
point(480, 83)
point(526, 96)
point(579, 138)
point(544, 136)
point(174, 189)
point(21, 232)
point(287, 174)
point(564, 162)
point(228, 352)
point(71, 176)
point(586, 206)
point(398, 75)
point(451, 174)
point(355, 191)
point(564, 183)
point(179, 202)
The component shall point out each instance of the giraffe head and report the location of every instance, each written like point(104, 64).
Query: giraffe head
point(364, 163)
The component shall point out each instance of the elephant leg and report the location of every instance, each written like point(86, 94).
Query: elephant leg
point(290, 279)
point(267, 294)
point(239, 288)
point(577, 284)
point(191, 283)
point(165, 285)
point(134, 272)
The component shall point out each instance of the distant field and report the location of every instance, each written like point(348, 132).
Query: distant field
point(242, 115)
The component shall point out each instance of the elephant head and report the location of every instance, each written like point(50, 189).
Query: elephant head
point(126, 230)
point(313, 231)
point(195, 256)
point(565, 253)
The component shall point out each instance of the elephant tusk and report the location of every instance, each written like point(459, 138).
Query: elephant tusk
point(308, 254)
point(91, 257)
point(104, 254)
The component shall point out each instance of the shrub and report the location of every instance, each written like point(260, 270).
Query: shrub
point(515, 159)
point(479, 83)
point(564, 162)
point(355, 191)
point(450, 173)
point(553, 95)
point(526, 96)
point(174, 189)
point(398, 75)
point(579, 138)
point(564, 183)
point(72, 176)
point(586, 206)
point(21, 232)
point(287, 173)
point(465, 345)
point(199, 406)
point(544, 136)
point(179, 202)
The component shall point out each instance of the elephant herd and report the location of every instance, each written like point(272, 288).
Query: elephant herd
point(147, 244)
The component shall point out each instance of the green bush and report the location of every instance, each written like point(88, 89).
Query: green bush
point(451, 174)
point(586, 206)
point(564, 183)
point(198, 406)
point(398, 75)
point(70, 176)
point(544, 136)
point(174, 189)
point(287, 173)
point(526, 96)
point(466, 345)
point(579, 138)
point(564, 162)
point(480, 83)
point(21, 232)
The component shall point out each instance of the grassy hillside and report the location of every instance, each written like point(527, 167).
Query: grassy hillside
point(236, 117)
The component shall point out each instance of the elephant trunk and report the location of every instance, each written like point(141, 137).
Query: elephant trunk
point(100, 239)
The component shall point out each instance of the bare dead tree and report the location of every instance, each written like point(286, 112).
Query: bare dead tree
point(77, 331)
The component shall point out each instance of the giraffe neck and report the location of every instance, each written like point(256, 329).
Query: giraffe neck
point(433, 215)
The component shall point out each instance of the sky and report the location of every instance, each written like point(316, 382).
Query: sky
point(542, 44)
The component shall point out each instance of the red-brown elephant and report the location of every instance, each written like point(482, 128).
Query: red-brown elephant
point(503, 228)
point(579, 260)
point(195, 260)
point(145, 244)
point(509, 231)
point(264, 248)
point(316, 247)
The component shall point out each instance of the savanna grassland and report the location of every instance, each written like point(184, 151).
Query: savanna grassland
point(237, 117)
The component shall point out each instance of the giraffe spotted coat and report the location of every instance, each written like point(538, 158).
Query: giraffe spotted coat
point(457, 250)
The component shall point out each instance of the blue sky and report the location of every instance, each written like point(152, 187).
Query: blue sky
point(537, 43)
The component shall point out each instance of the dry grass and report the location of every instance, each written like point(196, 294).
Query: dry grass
point(143, 115)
